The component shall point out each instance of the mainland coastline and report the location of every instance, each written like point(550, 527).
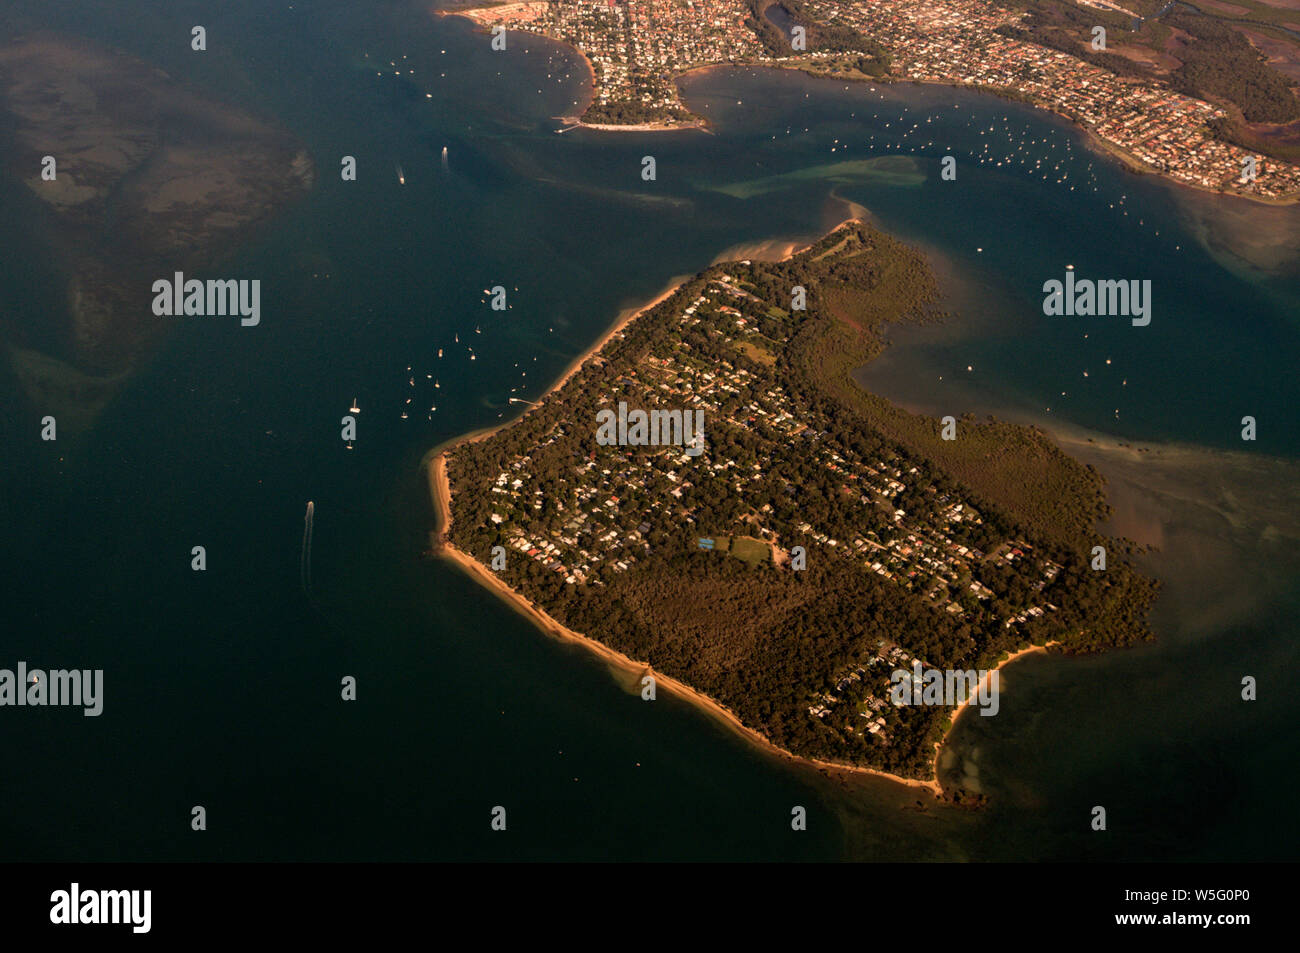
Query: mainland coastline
point(485, 16)
point(435, 465)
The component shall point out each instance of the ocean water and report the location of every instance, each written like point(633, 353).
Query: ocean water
point(222, 688)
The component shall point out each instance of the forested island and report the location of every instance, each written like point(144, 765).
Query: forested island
point(817, 538)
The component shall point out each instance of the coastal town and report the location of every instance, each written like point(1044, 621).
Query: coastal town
point(586, 513)
point(636, 51)
point(954, 42)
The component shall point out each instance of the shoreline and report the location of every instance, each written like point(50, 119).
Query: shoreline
point(441, 491)
point(1003, 662)
point(435, 465)
point(619, 662)
point(1099, 143)
point(1112, 149)
point(625, 317)
point(1007, 659)
point(572, 122)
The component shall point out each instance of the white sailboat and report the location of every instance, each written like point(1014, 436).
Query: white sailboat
point(354, 408)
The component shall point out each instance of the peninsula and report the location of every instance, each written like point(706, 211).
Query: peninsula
point(817, 541)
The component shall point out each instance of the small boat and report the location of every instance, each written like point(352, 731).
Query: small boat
point(401, 176)
point(440, 352)
point(405, 415)
point(354, 408)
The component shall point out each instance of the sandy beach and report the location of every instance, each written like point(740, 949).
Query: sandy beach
point(1007, 660)
point(620, 662)
point(637, 127)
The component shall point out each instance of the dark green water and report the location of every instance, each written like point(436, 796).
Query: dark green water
point(222, 688)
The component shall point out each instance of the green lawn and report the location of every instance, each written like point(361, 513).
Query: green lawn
point(751, 550)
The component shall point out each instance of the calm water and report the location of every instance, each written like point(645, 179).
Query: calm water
point(222, 687)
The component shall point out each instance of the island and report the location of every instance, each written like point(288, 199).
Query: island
point(779, 543)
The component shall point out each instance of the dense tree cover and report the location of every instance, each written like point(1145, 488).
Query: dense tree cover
point(1068, 27)
point(833, 37)
point(1222, 64)
point(766, 641)
point(874, 60)
point(821, 38)
point(1217, 61)
point(630, 113)
point(774, 41)
point(1238, 134)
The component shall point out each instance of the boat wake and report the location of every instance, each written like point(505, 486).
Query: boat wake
point(304, 567)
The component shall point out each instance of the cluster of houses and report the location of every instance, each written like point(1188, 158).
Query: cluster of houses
point(636, 49)
point(872, 711)
point(954, 41)
point(599, 512)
